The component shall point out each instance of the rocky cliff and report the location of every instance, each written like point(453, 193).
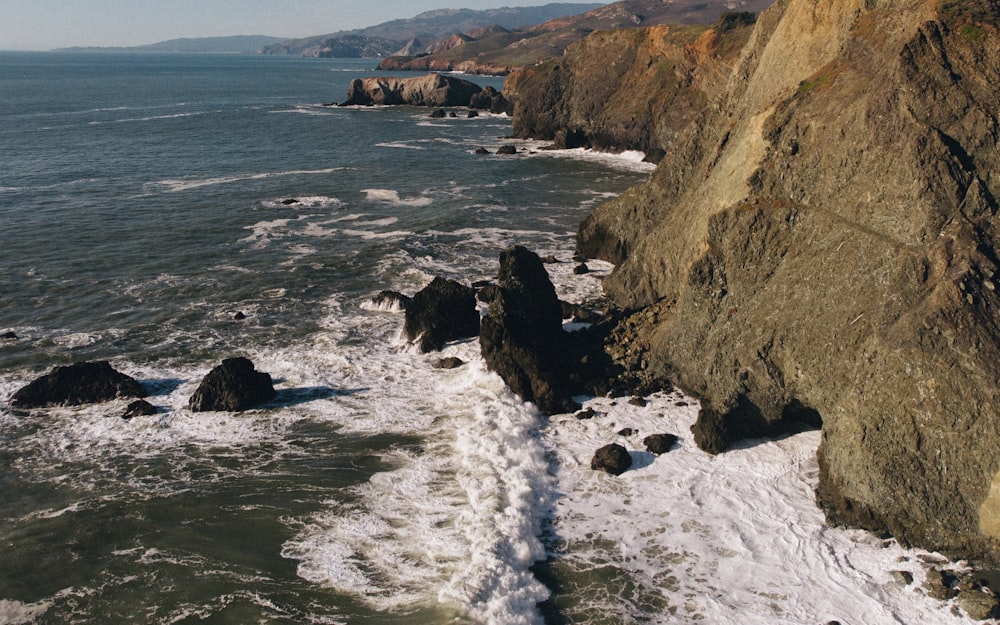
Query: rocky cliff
point(430, 90)
point(627, 89)
point(821, 242)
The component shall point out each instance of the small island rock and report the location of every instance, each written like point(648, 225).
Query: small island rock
point(613, 459)
point(233, 385)
point(77, 384)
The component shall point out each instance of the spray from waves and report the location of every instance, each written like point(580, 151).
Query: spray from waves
point(390, 196)
point(456, 524)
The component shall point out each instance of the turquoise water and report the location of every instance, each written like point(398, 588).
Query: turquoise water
point(145, 200)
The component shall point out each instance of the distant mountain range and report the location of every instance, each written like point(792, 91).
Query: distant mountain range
point(390, 37)
point(237, 44)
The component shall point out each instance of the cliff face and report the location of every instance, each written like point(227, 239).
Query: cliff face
point(823, 239)
point(633, 89)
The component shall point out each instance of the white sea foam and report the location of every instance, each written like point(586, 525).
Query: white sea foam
point(175, 185)
point(405, 145)
point(734, 538)
point(18, 613)
point(389, 196)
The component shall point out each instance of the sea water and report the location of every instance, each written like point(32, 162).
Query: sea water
point(147, 200)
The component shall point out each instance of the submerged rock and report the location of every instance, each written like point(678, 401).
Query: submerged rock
point(139, 408)
point(442, 311)
point(233, 385)
point(77, 384)
point(451, 362)
point(613, 459)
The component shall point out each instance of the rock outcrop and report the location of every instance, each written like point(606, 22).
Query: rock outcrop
point(822, 241)
point(613, 459)
point(233, 385)
point(77, 384)
point(442, 311)
point(432, 90)
point(633, 89)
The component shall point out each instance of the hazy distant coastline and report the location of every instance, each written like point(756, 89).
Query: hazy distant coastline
point(236, 44)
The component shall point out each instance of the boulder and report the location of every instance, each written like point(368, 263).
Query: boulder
point(139, 408)
point(613, 459)
point(8, 336)
point(442, 311)
point(507, 150)
point(979, 604)
point(77, 384)
point(233, 385)
point(659, 443)
point(451, 362)
point(438, 114)
point(521, 337)
point(482, 151)
point(433, 90)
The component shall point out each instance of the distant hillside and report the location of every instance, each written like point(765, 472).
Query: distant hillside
point(388, 38)
point(237, 44)
point(501, 53)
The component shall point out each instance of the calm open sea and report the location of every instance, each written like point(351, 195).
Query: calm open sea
point(143, 204)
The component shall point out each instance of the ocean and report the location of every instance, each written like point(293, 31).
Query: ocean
point(165, 212)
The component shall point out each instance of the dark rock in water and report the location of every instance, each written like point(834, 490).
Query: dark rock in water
point(586, 413)
point(550, 260)
point(507, 150)
point(489, 99)
point(442, 311)
point(232, 386)
point(487, 293)
point(581, 269)
point(390, 301)
point(431, 90)
point(638, 401)
point(482, 151)
point(450, 362)
point(522, 337)
point(659, 443)
point(473, 114)
point(289, 201)
point(437, 114)
point(716, 431)
point(627, 432)
point(77, 384)
point(578, 313)
point(239, 316)
point(941, 584)
point(9, 335)
point(139, 408)
point(979, 604)
point(613, 459)
point(452, 114)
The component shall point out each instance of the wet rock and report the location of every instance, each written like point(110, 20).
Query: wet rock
point(980, 604)
point(506, 150)
point(473, 114)
point(521, 336)
point(613, 459)
point(489, 99)
point(482, 151)
point(638, 401)
point(239, 316)
point(233, 385)
point(389, 301)
point(442, 311)
point(659, 443)
point(586, 413)
point(433, 90)
point(139, 408)
point(290, 201)
point(940, 584)
point(903, 578)
point(550, 260)
point(581, 269)
point(77, 384)
point(627, 432)
point(8, 336)
point(437, 114)
point(451, 362)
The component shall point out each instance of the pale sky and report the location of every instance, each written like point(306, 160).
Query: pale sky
point(47, 24)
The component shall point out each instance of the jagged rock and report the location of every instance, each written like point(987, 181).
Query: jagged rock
point(482, 151)
point(659, 443)
point(233, 385)
point(8, 336)
point(581, 269)
point(978, 604)
point(239, 316)
point(848, 266)
point(521, 336)
point(77, 384)
point(432, 90)
point(389, 301)
point(290, 202)
point(489, 99)
point(473, 114)
point(638, 401)
point(507, 150)
point(437, 114)
point(451, 362)
point(442, 311)
point(586, 413)
point(139, 408)
point(613, 459)
point(627, 432)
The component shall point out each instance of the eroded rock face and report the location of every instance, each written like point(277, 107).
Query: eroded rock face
point(432, 90)
point(822, 241)
point(233, 385)
point(77, 384)
point(522, 337)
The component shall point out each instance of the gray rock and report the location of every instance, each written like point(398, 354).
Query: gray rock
point(444, 310)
